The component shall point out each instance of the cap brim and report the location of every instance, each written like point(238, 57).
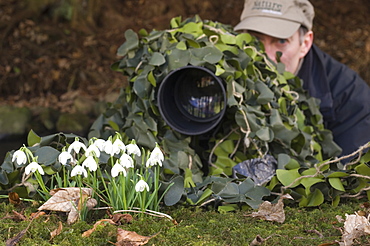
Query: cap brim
point(270, 26)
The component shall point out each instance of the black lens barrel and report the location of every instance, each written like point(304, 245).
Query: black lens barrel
point(192, 100)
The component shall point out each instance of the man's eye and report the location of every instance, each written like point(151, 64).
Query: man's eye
point(282, 41)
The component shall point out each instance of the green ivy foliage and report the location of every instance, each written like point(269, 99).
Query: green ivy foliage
point(268, 112)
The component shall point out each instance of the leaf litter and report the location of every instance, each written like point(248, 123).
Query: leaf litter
point(355, 226)
point(70, 200)
point(270, 211)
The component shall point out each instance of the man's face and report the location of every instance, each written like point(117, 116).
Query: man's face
point(293, 49)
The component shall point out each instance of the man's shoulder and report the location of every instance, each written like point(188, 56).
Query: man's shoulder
point(324, 64)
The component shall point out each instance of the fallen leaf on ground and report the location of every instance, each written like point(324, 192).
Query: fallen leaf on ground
point(355, 226)
point(258, 240)
point(37, 214)
point(119, 218)
point(14, 198)
point(272, 212)
point(131, 238)
point(69, 200)
point(56, 232)
point(102, 221)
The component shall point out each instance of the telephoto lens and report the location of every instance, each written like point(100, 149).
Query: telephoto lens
point(192, 100)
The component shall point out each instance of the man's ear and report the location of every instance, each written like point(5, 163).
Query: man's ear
point(306, 44)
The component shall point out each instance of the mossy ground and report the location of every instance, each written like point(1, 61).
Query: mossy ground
point(196, 226)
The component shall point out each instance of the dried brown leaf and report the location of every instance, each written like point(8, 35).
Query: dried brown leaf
point(69, 200)
point(56, 232)
point(131, 238)
point(14, 198)
point(258, 240)
point(122, 218)
point(37, 214)
point(355, 226)
point(72, 216)
point(272, 212)
point(64, 199)
point(102, 221)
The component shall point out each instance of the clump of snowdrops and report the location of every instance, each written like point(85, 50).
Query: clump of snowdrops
point(122, 176)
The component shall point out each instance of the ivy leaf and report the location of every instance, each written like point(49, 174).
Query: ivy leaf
point(308, 182)
point(315, 199)
point(3, 177)
point(243, 39)
point(181, 45)
point(228, 39)
point(178, 58)
point(151, 79)
point(336, 183)
point(131, 43)
point(266, 95)
point(175, 192)
point(213, 55)
point(286, 177)
point(188, 181)
point(192, 28)
point(47, 155)
point(363, 169)
point(337, 175)
point(265, 134)
point(33, 138)
point(157, 59)
point(366, 158)
point(207, 193)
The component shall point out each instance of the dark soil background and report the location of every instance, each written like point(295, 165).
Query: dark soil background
point(48, 59)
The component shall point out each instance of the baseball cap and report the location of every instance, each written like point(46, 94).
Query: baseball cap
point(276, 18)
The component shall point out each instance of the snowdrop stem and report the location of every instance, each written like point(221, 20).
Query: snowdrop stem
point(156, 187)
point(142, 199)
point(64, 176)
point(40, 181)
point(123, 190)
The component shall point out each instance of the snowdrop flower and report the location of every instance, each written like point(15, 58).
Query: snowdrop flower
point(90, 163)
point(20, 157)
point(92, 150)
point(100, 143)
point(64, 157)
point(141, 186)
point(114, 148)
point(117, 169)
point(126, 161)
point(133, 149)
point(78, 170)
point(156, 157)
point(118, 146)
point(33, 167)
point(76, 146)
point(150, 162)
point(108, 147)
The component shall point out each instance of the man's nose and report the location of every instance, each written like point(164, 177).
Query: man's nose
point(271, 52)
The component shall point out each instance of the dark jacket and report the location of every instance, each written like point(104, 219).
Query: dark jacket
point(344, 95)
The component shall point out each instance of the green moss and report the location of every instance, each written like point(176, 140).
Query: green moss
point(195, 227)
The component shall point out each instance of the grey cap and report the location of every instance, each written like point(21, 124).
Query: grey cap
point(276, 18)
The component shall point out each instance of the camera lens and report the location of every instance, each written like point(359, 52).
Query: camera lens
point(200, 96)
point(192, 100)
